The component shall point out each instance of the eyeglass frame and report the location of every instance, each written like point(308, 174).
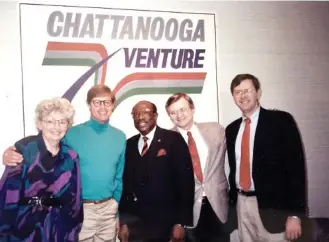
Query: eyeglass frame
point(53, 122)
point(247, 91)
point(102, 102)
point(180, 111)
point(144, 112)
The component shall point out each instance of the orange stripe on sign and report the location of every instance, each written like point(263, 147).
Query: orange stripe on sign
point(91, 47)
point(160, 76)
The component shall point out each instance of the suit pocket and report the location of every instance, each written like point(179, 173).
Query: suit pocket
point(161, 156)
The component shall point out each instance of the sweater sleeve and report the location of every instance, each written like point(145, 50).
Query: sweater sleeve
point(119, 173)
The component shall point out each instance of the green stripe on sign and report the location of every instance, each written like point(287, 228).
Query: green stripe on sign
point(70, 62)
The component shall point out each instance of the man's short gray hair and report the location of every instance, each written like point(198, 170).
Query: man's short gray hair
point(60, 105)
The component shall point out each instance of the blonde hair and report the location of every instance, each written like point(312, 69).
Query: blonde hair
point(60, 105)
point(98, 90)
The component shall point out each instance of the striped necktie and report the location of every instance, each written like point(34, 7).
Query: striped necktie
point(145, 146)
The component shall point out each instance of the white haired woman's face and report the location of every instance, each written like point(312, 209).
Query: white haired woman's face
point(53, 127)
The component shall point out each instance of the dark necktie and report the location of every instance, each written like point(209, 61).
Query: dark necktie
point(195, 157)
point(145, 146)
point(245, 179)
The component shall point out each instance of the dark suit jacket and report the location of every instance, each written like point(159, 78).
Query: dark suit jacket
point(158, 191)
point(278, 168)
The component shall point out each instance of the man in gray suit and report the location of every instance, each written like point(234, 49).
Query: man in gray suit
point(207, 146)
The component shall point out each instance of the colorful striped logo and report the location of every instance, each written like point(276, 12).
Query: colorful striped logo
point(96, 57)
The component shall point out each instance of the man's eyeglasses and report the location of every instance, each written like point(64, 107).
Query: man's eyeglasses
point(179, 111)
point(144, 112)
point(63, 123)
point(98, 103)
point(237, 93)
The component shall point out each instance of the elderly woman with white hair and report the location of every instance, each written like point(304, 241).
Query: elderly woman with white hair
point(40, 199)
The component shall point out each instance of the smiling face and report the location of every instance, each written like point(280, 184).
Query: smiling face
point(145, 117)
point(101, 108)
point(181, 114)
point(53, 127)
point(246, 97)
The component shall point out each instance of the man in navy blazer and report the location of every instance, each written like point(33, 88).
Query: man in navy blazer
point(267, 168)
point(158, 182)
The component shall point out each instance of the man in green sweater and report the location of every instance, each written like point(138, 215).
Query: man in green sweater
point(101, 149)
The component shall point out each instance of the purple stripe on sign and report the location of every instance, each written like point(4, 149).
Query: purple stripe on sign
point(73, 154)
point(72, 91)
point(34, 188)
point(12, 196)
point(60, 182)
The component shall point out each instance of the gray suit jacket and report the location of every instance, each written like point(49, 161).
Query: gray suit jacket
point(215, 184)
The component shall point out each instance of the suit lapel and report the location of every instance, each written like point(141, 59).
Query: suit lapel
point(209, 140)
point(175, 129)
point(232, 141)
point(156, 143)
point(133, 163)
point(135, 146)
point(235, 131)
point(206, 135)
point(259, 137)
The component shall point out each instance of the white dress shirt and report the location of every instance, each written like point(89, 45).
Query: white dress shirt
point(150, 137)
point(253, 125)
point(200, 144)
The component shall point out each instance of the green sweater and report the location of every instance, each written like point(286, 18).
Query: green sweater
point(101, 149)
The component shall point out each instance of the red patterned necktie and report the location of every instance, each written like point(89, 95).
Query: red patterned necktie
point(145, 147)
point(195, 157)
point(245, 179)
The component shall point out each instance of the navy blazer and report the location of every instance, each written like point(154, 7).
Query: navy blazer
point(278, 168)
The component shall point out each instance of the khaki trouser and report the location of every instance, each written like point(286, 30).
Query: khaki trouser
point(99, 222)
point(250, 226)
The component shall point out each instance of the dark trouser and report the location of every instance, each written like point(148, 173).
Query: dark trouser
point(140, 231)
point(151, 240)
point(209, 227)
